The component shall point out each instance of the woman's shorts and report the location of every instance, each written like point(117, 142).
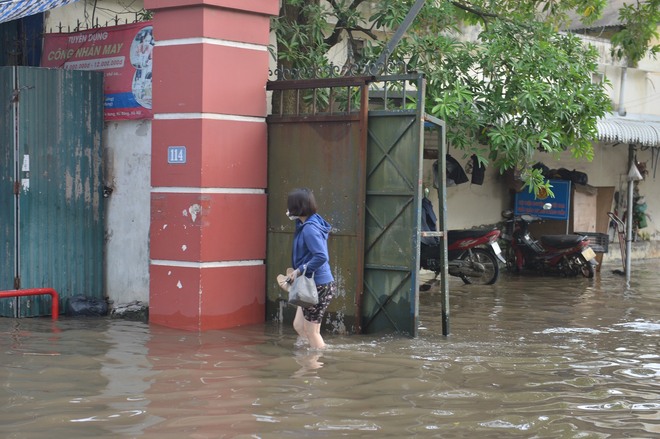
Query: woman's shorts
point(314, 314)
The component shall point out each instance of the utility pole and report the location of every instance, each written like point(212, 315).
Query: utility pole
point(384, 56)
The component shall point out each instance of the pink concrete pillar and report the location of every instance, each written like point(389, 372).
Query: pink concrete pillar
point(208, 164)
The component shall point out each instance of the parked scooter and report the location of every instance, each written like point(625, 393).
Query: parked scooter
point(567, 255)
point(473, 254)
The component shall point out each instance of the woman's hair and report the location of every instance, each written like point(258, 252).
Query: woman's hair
point(301, 202)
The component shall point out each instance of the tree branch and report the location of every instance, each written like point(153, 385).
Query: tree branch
point(341, 23)
point(473, 10)
point(484, 15)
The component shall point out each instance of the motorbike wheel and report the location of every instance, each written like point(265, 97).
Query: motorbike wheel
point(575, 265)
point(511, 260)
point(586, 269)
point(490, 264)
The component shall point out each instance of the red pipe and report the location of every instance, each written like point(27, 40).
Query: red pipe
point(55, 307)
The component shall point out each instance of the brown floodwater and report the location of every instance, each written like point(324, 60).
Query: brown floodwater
point(528, 357)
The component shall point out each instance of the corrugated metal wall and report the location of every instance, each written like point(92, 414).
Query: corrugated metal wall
point(60, 202)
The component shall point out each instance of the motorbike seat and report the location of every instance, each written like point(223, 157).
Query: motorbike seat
point(561, 241)
point(455, 235)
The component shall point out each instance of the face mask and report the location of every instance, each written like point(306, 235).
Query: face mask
point(291, 217)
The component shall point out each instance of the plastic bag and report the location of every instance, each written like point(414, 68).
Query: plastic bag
point(303, 291)
point(86, 306)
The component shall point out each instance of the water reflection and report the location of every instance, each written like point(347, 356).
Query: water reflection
point(527, 357)
point(309, 362)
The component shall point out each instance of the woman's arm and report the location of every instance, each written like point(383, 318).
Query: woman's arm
point(317, 247)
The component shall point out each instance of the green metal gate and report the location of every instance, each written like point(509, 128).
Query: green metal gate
point(51, 186)
point(357, 143)
point(393, 204)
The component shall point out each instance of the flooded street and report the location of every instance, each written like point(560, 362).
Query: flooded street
point(538, 357)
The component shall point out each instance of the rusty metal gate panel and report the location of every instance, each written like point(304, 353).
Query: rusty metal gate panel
point(394, 194)
point(60, 209)
point(324, 151)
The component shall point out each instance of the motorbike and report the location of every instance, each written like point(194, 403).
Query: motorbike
point(473, 254)
point(566, 255)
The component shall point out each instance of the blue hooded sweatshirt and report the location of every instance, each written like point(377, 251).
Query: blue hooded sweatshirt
point(310, 248)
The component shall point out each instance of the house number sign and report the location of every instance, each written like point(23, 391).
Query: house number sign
point(176, 154)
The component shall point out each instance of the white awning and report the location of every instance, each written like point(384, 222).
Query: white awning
point(634, 129)
point(15, 9)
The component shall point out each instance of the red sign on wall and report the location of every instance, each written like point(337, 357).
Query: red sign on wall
point(123, 53)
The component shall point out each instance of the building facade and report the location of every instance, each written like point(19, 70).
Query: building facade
point(210, 67)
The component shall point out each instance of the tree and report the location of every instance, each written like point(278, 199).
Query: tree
point(639, 28)
point(519, 87)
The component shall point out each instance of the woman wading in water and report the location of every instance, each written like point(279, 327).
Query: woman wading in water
point(310, 255)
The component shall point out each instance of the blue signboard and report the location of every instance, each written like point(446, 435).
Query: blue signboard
point(176, 154)
point(528, 203)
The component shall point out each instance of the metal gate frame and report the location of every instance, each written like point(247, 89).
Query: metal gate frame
point(385, 252)
point(394, 194)
point(53, 188)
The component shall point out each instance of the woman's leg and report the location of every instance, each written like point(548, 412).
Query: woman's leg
point(299, 323)
point(313, 316)
point(313, 333)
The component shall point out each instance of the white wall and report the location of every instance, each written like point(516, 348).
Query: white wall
point(470, 205)
point(610, 168)
point(642, 87)
point(641, 96)
point(641, 90)
point(128, 173)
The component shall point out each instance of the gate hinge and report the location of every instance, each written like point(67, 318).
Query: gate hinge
point(17, 188)
point(17, 283)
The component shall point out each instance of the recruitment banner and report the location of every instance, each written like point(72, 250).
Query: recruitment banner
point(123, 53)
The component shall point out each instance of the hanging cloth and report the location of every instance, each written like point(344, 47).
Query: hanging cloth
point(478, 170)
point(455, 172)
point(429, 222)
